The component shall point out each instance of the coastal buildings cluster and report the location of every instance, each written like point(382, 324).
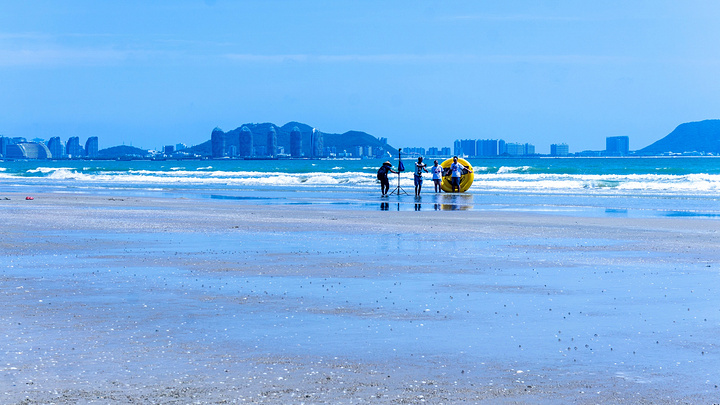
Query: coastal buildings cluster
point(295, 140)
point(299, 141)
point(486, 148)
point(21, 148)
point(243, 143)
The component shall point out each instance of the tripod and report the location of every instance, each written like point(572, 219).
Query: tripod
point(401, 167)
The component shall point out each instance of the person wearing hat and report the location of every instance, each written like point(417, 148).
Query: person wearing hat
point(382, 175)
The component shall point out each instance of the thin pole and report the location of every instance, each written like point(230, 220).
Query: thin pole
point(399, 160)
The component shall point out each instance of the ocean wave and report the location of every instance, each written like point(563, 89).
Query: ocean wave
point(512, 179)
point(511, 169)
point(45, 170)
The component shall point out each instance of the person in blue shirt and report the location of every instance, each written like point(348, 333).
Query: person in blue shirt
point(457, 172)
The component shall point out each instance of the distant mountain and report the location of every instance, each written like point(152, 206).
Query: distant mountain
point(346, 141)
point(701, 136)
point(122, 151)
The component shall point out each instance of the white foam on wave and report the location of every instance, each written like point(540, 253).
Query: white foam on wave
point(512, 169)
point(560, 183)
point(146, 177)
point(45, 170)
point(509, 181)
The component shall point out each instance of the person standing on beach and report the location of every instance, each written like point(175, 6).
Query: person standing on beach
point(419, 167)
point(437, 171)
point(382, 175)
point(457, 172)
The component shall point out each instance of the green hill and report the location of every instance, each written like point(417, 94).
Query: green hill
point(701, 136)
point(122, 151)
point(346, 141)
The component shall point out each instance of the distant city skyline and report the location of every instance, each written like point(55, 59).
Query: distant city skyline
point(151, 74)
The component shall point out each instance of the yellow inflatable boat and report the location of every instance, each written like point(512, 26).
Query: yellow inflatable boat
point(465, 181)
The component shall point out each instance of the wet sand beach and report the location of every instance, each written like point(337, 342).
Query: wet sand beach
point(160, 300)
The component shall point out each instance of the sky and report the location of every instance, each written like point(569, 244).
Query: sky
point(420, 73)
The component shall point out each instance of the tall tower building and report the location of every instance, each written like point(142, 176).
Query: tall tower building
point(617, 145)
point(487, 147)
point(316, 142)
point(272, 142)
point(72, 148)
point(469, 147)
point(91, 147)
point(559, 149)
point(457, 148)
point(57, 149)
point(217, 143)
point(296, 143)
point(245, 143)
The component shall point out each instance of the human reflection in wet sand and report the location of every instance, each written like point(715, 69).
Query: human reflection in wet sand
point(384, 206)
point(418, 203)
point(454, 202)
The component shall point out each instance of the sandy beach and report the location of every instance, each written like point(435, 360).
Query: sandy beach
point(160, 300)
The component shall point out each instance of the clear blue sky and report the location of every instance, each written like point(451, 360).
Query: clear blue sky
point(421, 73)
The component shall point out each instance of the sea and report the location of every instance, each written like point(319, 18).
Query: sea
point(596, 186)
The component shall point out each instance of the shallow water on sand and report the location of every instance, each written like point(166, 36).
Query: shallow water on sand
point(155, 302)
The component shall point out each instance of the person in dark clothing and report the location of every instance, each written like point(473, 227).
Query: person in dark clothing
point(382, 175)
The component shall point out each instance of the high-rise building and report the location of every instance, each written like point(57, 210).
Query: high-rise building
point(217, 143)
point(4, 142)
point(469, 147)
point(272, 142)
point(91, 147)
point(57, 149)
point(296, 143)
point(559, 149)
point(529, 149)
point(502, 147)
point(515, 149)
point(445, 151)
point(617, 145)
point(457, 148)
point(28, 150)
point(487, 147)
point(169, 149)
point(245, 143)
point(358, 151)
point(316, 143)
point(72, 148)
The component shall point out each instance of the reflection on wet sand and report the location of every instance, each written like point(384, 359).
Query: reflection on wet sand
point(440, 202)
point(454, 202)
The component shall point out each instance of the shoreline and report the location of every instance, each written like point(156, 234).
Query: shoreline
point(161, 300)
